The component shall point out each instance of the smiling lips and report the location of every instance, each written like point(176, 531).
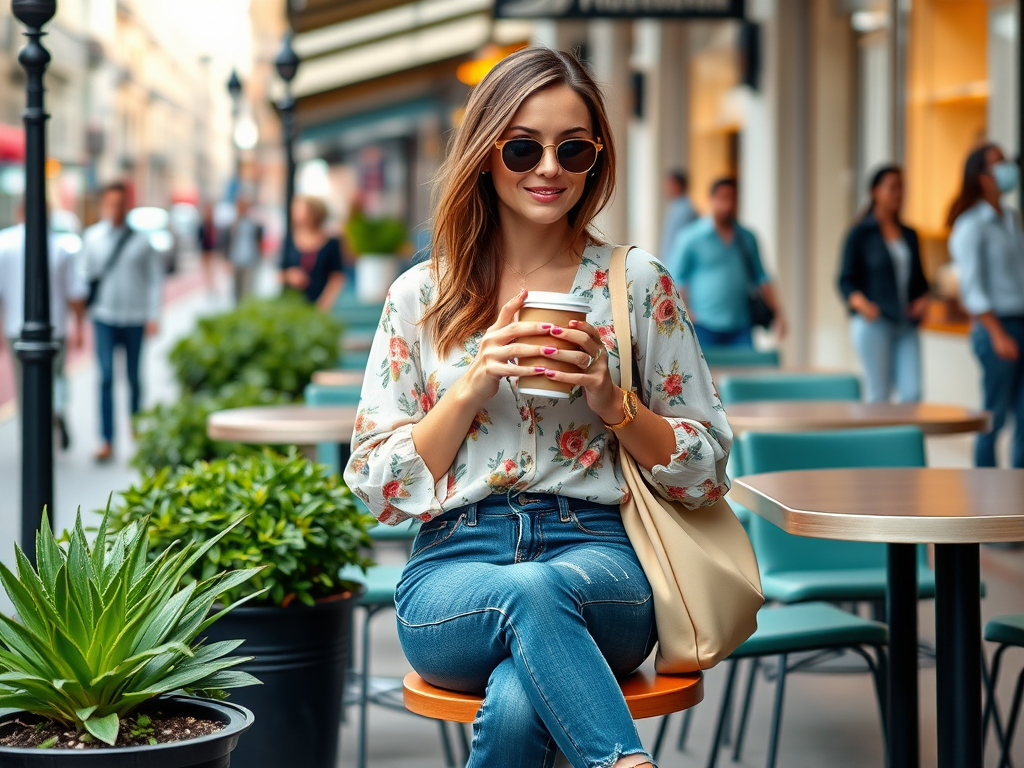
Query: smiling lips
point(545, 194)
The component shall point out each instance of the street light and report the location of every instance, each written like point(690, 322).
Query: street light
point(235, 91)
point(287, 65)
point(35, 347)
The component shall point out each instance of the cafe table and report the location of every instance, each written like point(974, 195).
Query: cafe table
point(285, 425)
point(954, 509)
point(816, 415)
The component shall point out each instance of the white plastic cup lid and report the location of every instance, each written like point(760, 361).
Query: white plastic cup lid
point(565, 302)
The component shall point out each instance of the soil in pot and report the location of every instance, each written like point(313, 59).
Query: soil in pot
point(150, 727)
point(301, 658)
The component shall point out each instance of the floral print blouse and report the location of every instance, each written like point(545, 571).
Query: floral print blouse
point(535, 443)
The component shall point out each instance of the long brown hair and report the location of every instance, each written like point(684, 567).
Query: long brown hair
point(970, 189)
point(466, 241)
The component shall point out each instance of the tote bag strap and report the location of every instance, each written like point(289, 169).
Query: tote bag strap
point(618, 291)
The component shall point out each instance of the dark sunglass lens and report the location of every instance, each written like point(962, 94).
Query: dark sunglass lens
point(521, 155)
point(577, 156)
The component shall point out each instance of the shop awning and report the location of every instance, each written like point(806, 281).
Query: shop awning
point(12, 144)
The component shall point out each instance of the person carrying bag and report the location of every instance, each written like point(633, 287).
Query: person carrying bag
point(700, 563)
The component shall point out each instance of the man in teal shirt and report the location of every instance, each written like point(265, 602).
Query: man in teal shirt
point(714, 263)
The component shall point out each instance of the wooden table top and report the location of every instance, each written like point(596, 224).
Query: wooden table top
point(339, 377)
point(811, 415)
point(283, 424)
point(918, 505)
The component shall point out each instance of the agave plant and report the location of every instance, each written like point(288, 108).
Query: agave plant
point(102, 630)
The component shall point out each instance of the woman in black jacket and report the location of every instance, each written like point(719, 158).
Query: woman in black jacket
point(885, 288)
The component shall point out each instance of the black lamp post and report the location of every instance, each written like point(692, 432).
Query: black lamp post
point(35, 347)
point(235, 90)
point(287, 64)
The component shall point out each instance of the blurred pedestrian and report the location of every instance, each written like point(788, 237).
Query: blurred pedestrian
point(67, 310)
point(311, 263)
point(885, 288)
point(244, 247)
point(680, 212)
point(987, 244)
point(209, 243)
point(125, 279)
point(717, 267)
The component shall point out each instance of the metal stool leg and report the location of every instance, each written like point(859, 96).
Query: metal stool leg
point(1011, 722)
point(991, 710)
point(446, 745)
point(662, 727)
point(780, 692)
point(748, 698)
point(684, 731)
point(716, 742)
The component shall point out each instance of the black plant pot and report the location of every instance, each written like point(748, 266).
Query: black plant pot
point(301, 657)
point(213, 751)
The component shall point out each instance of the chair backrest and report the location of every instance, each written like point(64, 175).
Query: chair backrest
point(324, 395)
point(354, 360)
point(739, 357)
point(799, 386)
point(362, 317)
point(764, 452)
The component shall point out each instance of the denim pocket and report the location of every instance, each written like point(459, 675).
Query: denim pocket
point(598, 522)
point(435, 532)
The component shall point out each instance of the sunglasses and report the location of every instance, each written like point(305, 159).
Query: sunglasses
point(573, 155)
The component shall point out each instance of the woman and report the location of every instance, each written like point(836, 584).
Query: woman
point(522, 582)
point(312, 260)
point(886, 291)
point(987, 244)
point(208, 245)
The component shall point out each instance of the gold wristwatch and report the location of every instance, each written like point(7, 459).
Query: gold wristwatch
point(630, 407)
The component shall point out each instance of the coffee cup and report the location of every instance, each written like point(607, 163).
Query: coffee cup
point(558, 309)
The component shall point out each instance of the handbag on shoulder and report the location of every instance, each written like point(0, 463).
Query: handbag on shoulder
point(699, 562)
point(96, 282)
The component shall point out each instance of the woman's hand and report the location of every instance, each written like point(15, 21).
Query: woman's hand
point(918, 307)
point(498, 348)
point(603, 397)
point(864, 307)
point(296, 278)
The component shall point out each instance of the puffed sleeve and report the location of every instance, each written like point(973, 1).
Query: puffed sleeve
point(385, 471)
point(674, 382)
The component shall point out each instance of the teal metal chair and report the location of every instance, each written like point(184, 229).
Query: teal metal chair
point(322, 395)
point(1007, 632)
point(733, 357)
point(354, 360)
point(735, 389)
point(798, 386)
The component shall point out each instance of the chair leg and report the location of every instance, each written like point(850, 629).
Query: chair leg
point(748, 698)
point(364, 691)
point(716, 742)
point(466, 748)
point(1011, 722)
point(991, 710)
point(662, 728)
point(780, 692)
point(684, 731)
point(446, 745)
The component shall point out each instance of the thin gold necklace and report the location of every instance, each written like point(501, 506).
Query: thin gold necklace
point(522, 275)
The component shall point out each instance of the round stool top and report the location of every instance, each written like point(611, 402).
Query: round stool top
point(283, 424)
point(647, 695)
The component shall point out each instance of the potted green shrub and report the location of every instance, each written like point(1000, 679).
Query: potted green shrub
point(294, 518)
point(104, 636)
point(376, 244)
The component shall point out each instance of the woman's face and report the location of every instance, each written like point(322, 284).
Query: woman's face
point(300, 215)
point(888, 195)
point(546, 194)
point(993, 156)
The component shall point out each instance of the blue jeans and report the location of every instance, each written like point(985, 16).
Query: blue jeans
point(539, 602)
point(709, 338)
point(107, 338)
point(1002, 383)
point(891, 355)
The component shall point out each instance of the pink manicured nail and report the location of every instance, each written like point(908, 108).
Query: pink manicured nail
point(550, 374)
point(550, 350)
point(545, 327)
point(574, 323)
point(556, 331)
point(538, 369)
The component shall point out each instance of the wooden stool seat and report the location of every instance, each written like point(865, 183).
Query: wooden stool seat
point(647, 695)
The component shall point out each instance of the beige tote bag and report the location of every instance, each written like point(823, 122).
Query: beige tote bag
point(702, 569)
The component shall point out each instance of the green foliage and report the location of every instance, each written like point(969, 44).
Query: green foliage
point(287, 513)
point(375, 237)
point(175, 433)
point(100, 631)
point(271, 344)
